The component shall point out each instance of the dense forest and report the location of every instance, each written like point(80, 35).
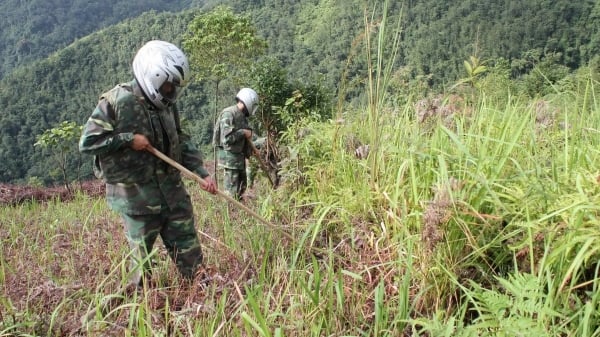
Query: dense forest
point(58, 56)
point(34, 29)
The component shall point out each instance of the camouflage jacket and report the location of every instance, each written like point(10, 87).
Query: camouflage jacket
point(137, 182)
point(228, 137)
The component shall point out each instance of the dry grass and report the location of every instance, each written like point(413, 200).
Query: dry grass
point(62, 256)
point(52, 270)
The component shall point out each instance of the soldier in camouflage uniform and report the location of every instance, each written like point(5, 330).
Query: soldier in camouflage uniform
point(231, 136)
point(146, 191)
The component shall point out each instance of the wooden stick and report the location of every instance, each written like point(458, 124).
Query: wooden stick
point(203, 183)
point(196, 177)
point(263, 166)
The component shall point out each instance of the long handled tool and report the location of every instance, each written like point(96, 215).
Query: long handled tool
point(262, 164)
point(202, 182)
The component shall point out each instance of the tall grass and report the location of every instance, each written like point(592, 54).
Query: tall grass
point(501, 195)
point(381, 61)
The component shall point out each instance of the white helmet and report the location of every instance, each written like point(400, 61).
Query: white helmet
point(156, 63)
point(249, 98)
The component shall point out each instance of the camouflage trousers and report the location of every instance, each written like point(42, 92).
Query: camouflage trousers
point(178, 233)
point(234, 182)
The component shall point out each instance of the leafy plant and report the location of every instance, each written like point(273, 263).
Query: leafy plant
point(475, 69)
point(60, 141)
point(219, 41)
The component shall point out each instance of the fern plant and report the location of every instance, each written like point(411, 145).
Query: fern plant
point(521, 306)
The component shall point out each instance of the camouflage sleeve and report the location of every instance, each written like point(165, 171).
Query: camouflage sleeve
point(229, 134)
point(99, 136)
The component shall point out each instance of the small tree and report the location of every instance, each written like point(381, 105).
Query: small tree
point(283, 102)
point(60, 142)
point(475, 69)
point(269, 79)
point(219, 42)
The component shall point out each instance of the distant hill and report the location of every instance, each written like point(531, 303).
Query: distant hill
point(34, 29)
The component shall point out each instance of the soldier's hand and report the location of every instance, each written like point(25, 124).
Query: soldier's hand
point(140, 142)
point(209, 185)
point(247, 134)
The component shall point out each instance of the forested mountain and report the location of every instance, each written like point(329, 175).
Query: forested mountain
point(523, 32)
point(33, 29)
point(58, 56)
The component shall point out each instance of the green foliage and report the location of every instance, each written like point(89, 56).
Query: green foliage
point(520, 307)
point(475, 69)
point(270, 80)
point(496, 82)
point(543, 77)
point(317, 171)
point(221, 42)
point(35, 29)
point(441, 34)
point(284, 101)
point(59, 138)
point(61, 142)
